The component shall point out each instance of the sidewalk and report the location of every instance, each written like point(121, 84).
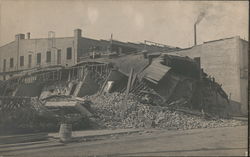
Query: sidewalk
point(53, 140)
point(97, 133)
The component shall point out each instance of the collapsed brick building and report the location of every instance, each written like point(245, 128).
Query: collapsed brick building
point(224, 60)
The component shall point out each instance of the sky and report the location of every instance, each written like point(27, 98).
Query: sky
point(166, 22)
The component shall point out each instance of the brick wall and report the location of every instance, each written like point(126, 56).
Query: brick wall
point(244, 53)
point(220, 60)
point(6, 52)
point(86, 44)
point(26, 47)
point(224, 60)
point(35, 46)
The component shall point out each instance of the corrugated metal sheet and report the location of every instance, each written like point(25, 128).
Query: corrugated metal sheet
point(155, 71)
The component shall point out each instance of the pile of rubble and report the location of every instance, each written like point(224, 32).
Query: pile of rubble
point(114, 110)
point(24, 115)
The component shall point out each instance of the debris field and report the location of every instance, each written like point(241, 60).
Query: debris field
point(111, 113)
point(161, 91)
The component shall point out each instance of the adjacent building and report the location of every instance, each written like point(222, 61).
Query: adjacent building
point(227, 61)
point(27, 53)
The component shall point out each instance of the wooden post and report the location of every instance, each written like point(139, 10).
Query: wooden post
point(101, 69)
point(53, 75)
point(133, 81)
point(106, 71)
point(216, 97)
point(106, 80)
point(69, 75)
point(43, 75)
point(60, 75)
point(57, 75)
point(46, 76)
point(94, 71)
point(124, 107)
point(83, 72)
point(129, 81)
point(77, 73)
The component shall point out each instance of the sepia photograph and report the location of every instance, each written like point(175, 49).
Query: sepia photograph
point(124, 78)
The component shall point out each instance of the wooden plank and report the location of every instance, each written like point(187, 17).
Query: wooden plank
point(101, 70)
point(155, 75)
point(155, 82)
point(151, 68)
point(158, 71)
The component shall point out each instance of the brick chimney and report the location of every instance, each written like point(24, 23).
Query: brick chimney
point(28, 35)
point(78, 33)
point(19, 36)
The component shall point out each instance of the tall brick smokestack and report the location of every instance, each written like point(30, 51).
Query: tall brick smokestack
point(195, 43)
point(200, 17)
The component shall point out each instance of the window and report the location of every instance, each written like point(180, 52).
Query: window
point(21, 61)
point(38, 58)
point(48, 56)
point(11, 62)
point(59, 56)
point(30, 60)
point(69, 53)
point(4, 65)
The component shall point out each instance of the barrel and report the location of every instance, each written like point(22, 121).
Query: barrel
point(65, 132)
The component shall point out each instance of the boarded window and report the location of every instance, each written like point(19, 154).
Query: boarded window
point(30, 60)
point(38, 58)
point(69, 53)
point(11, 62)
point(21, 61)
point(48, 56)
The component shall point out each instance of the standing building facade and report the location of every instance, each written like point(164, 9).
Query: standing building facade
point(227, 61)
point(27, 53)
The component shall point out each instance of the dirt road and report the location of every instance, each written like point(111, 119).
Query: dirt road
point(227, 141)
